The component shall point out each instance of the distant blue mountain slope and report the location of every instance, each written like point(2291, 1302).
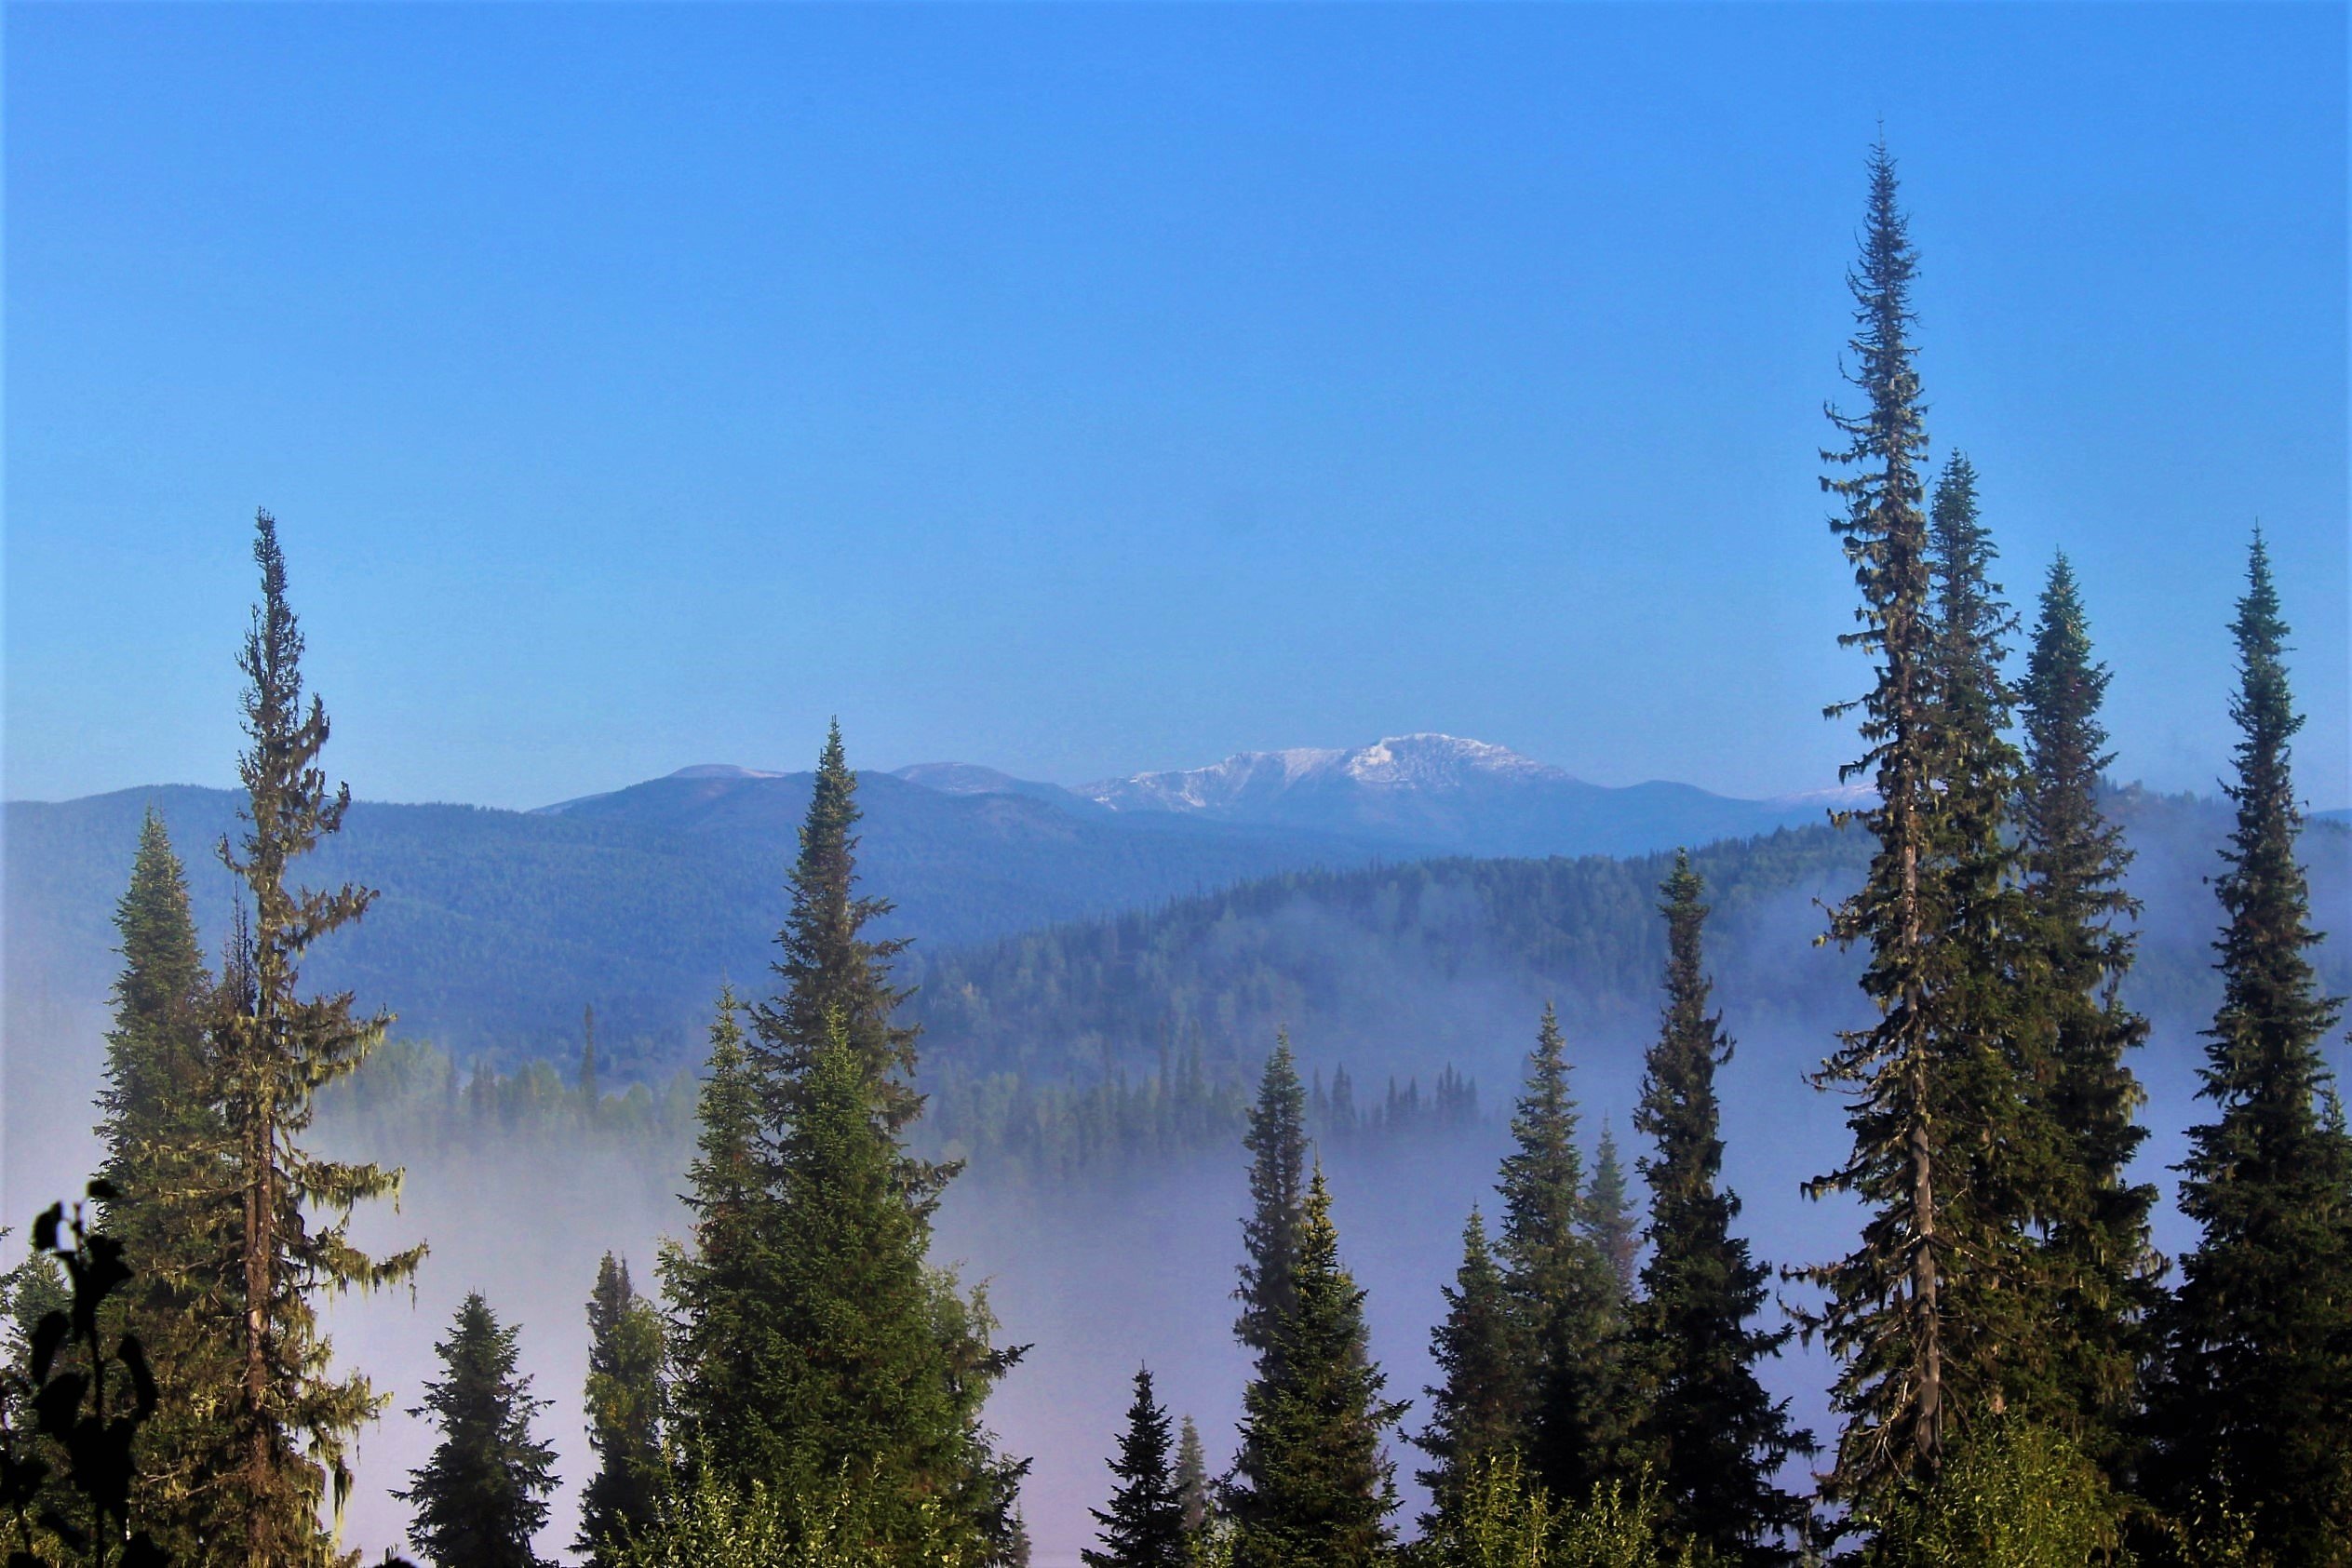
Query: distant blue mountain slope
point(495, 928)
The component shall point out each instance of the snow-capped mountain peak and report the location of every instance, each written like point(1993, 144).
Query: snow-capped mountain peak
point(1419, 762)
point(1431, 760)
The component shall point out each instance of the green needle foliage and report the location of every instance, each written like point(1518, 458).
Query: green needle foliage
point(1475, 1414)
point(1314, 1488)
point(174, 1211)
point(625, 1415)
point(1609, 1220)
point(483, 1494)
point(863, 1382)
point(1713, 1439)
point(1193, 1489)
point(1987, 995)
point(1563, 1297)
point(814, 1346)
point(1883, 1315)
point(293, 1419)
point(2103, 1269)
point(720, 1341)
point(832, 975)
point(1145, 1525)
point(1277, 1142)
point(2256, 1399)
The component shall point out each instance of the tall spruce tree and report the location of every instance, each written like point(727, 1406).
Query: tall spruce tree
point(1609, 1219)
point(1882, 1314)
point(722, 1339)
point(2255, 1400)
point(624, 1415)
point(1988, 994)
point(173, 1211)
point(274, 1049)
point(1713, 1439)
point(1276, 1139)
point(1314, 1488)
point(483, 1494)
point(1474, 1413)
point(1145, 1526)
point(2102, 1263)
point(1563, 1295)
point(828, 1346)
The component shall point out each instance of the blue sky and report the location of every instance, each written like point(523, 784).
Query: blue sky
point(1086, 390)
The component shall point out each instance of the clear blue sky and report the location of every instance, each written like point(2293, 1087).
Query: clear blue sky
point(1086, 390)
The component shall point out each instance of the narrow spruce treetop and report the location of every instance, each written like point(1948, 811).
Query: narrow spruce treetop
point(1713, 1439)
point(1277, 1145)
point(2105, 1267)
point(1882, 1316)
point(1543, 1181)
point(2076, 857)
point(830, 969)
point(1678, 1109)
point(1975, 763)
point(1608, 1214)
point(1884, 527)
point(1315, 1489)
point(156, 1103)
point(1144, 1526)
point(1475, 1412)
point(159, 995)
point(624, 1399)
point(483, 1494)
point(2266, 1036)
point(1563, 1300)
point(1192, 1483)
point(2257, 1385)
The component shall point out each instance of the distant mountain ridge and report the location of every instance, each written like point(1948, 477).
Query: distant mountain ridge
point(1425, 761)
point(1422, 794)
point(1449, 793)
point(495, 927)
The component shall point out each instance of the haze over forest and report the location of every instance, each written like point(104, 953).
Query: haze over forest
point(1292, 552)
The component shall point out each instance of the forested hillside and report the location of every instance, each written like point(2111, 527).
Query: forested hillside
point(495, 928)
point(1125, 1041)
point(1399, 968)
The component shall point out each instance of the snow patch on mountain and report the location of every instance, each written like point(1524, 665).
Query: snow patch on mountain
point(724, 771)
point(1419, 762)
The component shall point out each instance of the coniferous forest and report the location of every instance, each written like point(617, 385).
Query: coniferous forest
point(801, 1375)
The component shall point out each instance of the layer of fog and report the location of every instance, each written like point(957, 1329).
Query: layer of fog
point(1096, 1278)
